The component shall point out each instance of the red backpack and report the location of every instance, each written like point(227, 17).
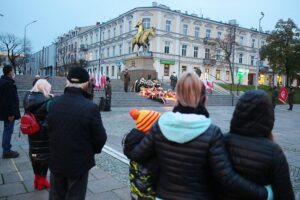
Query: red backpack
point(29, 124)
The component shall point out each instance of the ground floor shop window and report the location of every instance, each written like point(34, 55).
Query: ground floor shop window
point(227, 75)
point(218, 74)
point(166, 70)
point(113, 71)
point(183, 69)
point(206, 74)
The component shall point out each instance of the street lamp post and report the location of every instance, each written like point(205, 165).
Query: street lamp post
point(258, 57)
point(1, 15)
point(24, 47)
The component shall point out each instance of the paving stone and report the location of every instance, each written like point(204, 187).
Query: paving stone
point(123, 193)
point(27, 175)
point(38, 195)
point(11, 177)
point(105, 195)
point(24, 166)
point(29, 186)
point(104, 185)
point(6, 166)
point(99, 173)
point(11, 189)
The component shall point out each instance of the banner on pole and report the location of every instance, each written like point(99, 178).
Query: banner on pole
point(283, 94)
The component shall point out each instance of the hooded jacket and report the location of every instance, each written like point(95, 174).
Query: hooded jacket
point(191, 156)
point(254, 155)
point(36, 103)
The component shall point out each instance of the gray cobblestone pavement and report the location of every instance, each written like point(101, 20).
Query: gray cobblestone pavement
point(108, 180)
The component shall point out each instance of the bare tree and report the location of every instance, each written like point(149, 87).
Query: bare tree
point(226, 45)
point(13, 45)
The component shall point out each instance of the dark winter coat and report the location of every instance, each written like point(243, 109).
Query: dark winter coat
point(191, 157)
point(140, 174)
point(291, 95)
point(9, 100)
point(173, 79)
point(126, 78)
point(254, 155)
point(76, 133)
point(36, 103)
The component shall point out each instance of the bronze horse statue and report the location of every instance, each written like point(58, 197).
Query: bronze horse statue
point(142, 36)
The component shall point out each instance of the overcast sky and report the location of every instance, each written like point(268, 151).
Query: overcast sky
point(56, 17)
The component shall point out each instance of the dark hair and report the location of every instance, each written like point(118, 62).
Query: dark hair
point(7, 69)
point(107, 78)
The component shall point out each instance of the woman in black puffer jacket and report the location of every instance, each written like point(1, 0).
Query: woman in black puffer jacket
point(190, 150)
point(36, 102)
point(250, 144)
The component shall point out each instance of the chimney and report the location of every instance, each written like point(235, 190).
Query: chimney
point(98, 23)
point(154, 4)
point(186, 12)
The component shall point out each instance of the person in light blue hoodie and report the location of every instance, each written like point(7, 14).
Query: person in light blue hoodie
point(192, 159)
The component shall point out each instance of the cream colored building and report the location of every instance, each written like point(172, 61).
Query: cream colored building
point(179, 45)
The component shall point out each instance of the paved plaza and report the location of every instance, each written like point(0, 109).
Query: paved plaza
point(108, 180)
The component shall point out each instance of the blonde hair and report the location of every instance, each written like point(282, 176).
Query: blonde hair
point(43, 86)
point(190, 90)
point(77, 85)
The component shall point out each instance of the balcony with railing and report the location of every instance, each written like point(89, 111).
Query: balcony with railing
point(209, 61)
point(83, 47)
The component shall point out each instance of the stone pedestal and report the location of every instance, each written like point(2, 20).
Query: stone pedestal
point(140, 66)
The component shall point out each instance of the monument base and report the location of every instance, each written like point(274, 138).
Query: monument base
point(140, 67)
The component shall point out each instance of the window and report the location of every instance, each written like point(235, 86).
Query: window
point(218, 54)
point(120, 49)
point(108, 34)
point(183, 69)
point(121, 29)
point(114, 51)
point(197, 31)
point(253, 43)
point(252, 60)
point(129, 47)
point(168, 26)
point(219, 35)
point(115, 31)
point(119, 69)
point(208, 31)
point(262, 43)
point(102, 53)
point(207, 54)
point(96, 54)
point(241, 58)
point(167, 47)
point(166, 70)
point(185, 29)
point(241, 40)
point(227, 75)
point(107, 70)
point(183, 50)
point(195, 52)
point(218, 74)
point(97, 39)
point(107, 52)
point(146, 23)
point(112, 70)
point(101, 69)
point(103, 35)
point(129, 25)
point(91, 38)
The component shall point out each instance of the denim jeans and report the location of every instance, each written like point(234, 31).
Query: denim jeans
point(7, 132)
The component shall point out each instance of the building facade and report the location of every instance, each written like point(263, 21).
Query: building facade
point(180, 45)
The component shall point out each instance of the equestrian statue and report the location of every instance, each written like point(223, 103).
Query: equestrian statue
point(142, 36)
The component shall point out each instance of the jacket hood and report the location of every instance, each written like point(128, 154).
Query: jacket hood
point(181, 127)
point(253, 115)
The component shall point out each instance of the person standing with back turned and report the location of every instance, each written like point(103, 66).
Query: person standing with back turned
point(9, 109)
point(76, 134)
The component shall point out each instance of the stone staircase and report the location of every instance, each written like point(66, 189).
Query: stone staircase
point(119, 97)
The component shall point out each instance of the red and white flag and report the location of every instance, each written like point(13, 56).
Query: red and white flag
point(283, 94)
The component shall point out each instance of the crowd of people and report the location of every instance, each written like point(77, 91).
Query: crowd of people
point(179, 154)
